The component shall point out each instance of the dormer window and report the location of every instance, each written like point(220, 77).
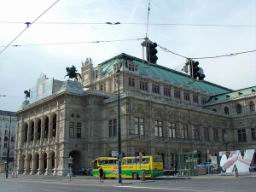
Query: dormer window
point(131, 67)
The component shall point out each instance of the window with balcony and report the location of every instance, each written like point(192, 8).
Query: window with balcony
point(78, 130)
point(177, 93)
point(156, 88)
point(112, 128)
point(238, 108)
point(171, 129)
point(215, 134)
point(167, 91)
point(71, 129)
point(241, 135)
point(252, 106)
point(158, 128)
point(186, 96)
point(144, 85)
point(253, 134)
point(226, 110)
point(131, 82)
point(139, 126)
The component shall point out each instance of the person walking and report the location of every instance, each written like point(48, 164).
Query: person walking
point(101, 174)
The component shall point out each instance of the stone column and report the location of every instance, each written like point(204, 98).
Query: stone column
point(27, 164)
point(42, 131)
point(28, 133)
point(20, 162)
point(55, 165)
point(33, 164)
point(35, 132)
point(49, 164)
point(50, 128)
point(41, 164)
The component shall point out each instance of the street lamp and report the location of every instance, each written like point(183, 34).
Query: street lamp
point(70, 162)
point(119, 125)
point(225, 139)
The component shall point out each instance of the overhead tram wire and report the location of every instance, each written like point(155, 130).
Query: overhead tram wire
point(134, 23)
point(225, 55)
point(207, 57)
point(28, 25)
point(75, 43)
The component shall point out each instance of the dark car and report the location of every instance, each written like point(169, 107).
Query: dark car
point(252, 168)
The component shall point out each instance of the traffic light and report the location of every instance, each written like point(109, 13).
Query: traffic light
point(151, 52)
point(196, 72)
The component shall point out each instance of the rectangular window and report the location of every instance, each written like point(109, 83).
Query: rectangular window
point(144, 85)
point(103, 87)
point(131, 82)
point(204, 100)
point(253, 133)
point(158, 128)
point(186, 96)
point(241, 133)
point(71, 130)
point(78, 130)
point(206, 134)
point(171, 130)
point(112, 127)
point(195, 98)
point(195, 132)
point(177, 93)
point(167, 91)
point(139, 126)
point(215, 134)
point(156, 88)
point(185, 131)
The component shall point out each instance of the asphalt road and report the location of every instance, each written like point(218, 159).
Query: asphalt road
point(62, 184)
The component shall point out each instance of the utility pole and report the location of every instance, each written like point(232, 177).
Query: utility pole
point(119, 126)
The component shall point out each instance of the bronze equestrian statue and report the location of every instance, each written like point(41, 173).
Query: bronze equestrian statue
point(72, 73)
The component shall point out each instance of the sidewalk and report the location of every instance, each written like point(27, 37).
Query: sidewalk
point(78, 180)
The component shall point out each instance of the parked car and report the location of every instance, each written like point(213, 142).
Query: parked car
point(252, 168)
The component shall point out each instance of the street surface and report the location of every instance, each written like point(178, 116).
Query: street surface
point(90, 184)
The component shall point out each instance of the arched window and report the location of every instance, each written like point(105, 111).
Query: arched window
point(26, 133)
point(32, 126)
point(226, 110)
point(252, 106)
point(54, 124)
point(238, 108)
point(38, 129)
point(46, 127)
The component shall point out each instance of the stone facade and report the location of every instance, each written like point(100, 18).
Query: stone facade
point(162, 112)
point(8, 121)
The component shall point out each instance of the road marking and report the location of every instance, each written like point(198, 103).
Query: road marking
point(166, 189)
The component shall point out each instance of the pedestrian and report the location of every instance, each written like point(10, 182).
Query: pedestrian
point(101, 174)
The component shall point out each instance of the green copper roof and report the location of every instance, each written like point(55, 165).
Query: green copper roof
point(237, 94)
point(165, 74)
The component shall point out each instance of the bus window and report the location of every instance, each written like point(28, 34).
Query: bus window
point(145, 160)
point(95, 166)
point(124, 161)
point(157, 159)
point(112, 162)
point(131, 161)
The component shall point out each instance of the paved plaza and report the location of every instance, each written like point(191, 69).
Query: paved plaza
point(212, 183)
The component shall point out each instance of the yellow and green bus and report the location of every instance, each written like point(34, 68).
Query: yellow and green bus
point(132, 167)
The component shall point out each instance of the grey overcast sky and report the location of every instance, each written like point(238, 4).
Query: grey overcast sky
point(21, 66)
